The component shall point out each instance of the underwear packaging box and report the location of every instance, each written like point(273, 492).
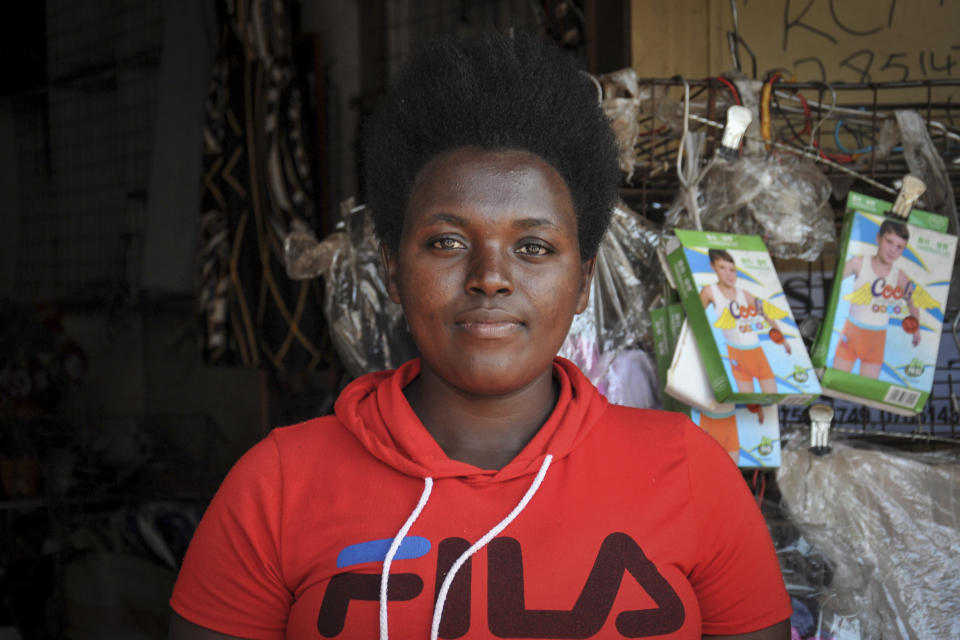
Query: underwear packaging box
point(687, 380)
point(751, 432)
point(880, 336)
point(736, 309)
point(666, 322)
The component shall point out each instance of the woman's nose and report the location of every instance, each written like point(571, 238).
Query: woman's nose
point(489, 272)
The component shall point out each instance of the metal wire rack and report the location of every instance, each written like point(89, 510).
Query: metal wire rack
point(836, 125)
point(839, 126)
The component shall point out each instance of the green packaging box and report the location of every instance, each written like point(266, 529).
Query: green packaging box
point(880, 336)
point(744, 329)
point(666, 322)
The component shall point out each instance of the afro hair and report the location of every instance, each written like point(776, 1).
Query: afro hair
point(494, 93)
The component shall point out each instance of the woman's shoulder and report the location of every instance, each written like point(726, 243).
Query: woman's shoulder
point(319, 430)
point(303, 440)
point(655, 421)
point(649, 427)
point(308, 449)
point(271, 450)
point(661, 431)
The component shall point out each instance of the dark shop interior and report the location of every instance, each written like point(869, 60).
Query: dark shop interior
point(189, 260)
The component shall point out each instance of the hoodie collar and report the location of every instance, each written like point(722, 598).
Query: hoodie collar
point(374, 408)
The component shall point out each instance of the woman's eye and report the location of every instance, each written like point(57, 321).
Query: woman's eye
point(446, 244)
point(534, 249)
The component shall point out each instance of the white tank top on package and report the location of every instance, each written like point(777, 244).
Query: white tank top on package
point(745, 333)
point(876, 313)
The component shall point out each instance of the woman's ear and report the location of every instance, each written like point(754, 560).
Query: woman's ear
point(389, 261)
point(586, 277)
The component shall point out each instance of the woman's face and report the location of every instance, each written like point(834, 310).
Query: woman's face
point(488, 269)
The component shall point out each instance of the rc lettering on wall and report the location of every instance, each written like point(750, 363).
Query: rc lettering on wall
point(816, 40)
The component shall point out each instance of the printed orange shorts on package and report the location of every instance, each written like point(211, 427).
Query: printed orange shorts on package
point(748, 364)
point(857, 343)
point(723, 430)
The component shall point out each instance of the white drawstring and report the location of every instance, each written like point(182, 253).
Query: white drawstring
point(392, 551)
point(479, 544)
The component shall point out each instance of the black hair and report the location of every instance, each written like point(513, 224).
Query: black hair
point(719, 254)
point(494, 93)
point(894, 226)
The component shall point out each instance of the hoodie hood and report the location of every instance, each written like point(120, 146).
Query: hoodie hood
point(374, 409)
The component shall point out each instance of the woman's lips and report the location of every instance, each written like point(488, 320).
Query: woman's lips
point(488, 323)
point(489, 330)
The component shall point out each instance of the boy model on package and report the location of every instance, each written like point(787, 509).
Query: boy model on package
point(880, 290)
point(741, 318)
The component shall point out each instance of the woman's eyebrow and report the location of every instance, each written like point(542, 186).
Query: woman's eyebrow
point(531, 223)
point(521, 223)
point(450, 218)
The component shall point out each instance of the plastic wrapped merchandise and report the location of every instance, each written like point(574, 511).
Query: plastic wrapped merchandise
point(632, 107)
point(785, 201)
point(367, 329)
point(887, 139)
point(926, 163)
point(604, 340)
point(685, 211)
point(889, 522)
point(621, 104)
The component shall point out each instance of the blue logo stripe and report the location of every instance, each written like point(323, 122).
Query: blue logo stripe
point(376, 551)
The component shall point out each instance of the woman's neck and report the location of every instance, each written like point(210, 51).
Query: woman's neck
point(485, 431)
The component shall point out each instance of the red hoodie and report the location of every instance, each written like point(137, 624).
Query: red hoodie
point(638, 525)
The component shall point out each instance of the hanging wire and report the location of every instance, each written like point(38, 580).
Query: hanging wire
point(686, 130)
point(732, 87)
point(653, 144)
point(859, 115)
point(733, 39)
point(833, 107)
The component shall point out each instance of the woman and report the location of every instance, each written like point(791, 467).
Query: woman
point(485, 489)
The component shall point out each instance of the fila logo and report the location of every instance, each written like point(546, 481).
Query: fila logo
point(507, 615)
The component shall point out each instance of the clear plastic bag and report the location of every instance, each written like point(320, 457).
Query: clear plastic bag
point(785, 201)
point(926, 163)
point(878, 551)
point(887, 139)
point(616, 321)
point(366, 327)
point(628, 105)
point(621, 104)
